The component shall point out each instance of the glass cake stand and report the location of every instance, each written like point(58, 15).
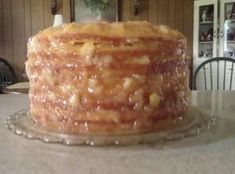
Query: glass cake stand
point(195, 122)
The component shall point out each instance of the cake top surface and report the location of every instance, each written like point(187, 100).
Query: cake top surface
point(131, 29)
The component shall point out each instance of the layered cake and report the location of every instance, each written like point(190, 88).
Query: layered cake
point(124, 77)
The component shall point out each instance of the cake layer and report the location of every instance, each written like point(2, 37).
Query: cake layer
point(162, 48)
point(101, 121)
point(118, 30)
point(102, 85)
point(79, 42)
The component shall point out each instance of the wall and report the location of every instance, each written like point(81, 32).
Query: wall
point(177, 14)
point(20, 19)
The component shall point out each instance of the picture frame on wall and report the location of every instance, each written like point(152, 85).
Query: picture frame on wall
point(84, 11)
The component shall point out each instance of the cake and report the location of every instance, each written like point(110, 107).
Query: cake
point(124, 77)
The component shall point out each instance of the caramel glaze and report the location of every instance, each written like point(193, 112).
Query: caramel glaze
point(86, 82)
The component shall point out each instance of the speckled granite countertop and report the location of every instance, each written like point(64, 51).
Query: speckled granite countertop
point(211, 152)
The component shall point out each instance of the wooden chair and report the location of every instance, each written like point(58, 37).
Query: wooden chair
point(215, 74)
point(7, 74)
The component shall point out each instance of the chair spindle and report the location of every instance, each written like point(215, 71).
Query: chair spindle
point(211, 76)
point(204, 69)
point(231, 77)
point(224, 75)
point(217, 75)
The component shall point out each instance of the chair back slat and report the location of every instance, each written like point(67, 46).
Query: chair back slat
point(204, 70)
point(231, 77)
point(211, 76)
point(217, 75)
point(7, 74)
point(1, 80)
point(216, 79)
point(224, 80)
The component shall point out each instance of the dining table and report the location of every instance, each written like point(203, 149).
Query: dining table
point(210, 152)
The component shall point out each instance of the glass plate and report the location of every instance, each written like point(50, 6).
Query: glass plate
point(195, 121)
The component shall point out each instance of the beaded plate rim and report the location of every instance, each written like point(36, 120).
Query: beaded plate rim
point(196, 121)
